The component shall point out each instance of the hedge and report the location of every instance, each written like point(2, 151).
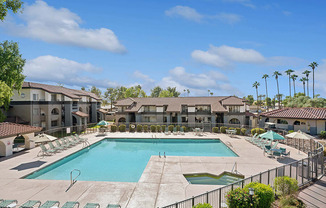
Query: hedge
point(122, 128)
point(132, 128)
point(215, 129)
point(178, 128)
point(238, 131)
point(323, 134)
point(240, 198)
point(285, 185)
point(113, 128)
point(223, 129)
point(163, 128)
point(243, 131)
point(171, 128)
point(145, 127)
point(205, 205)
point(139, 128)
point(158, 128)
point(257, 130)
point(264, 192)
point(185, 129)
point(153, 128)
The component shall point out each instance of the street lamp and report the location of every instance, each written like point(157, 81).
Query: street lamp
point(251, 193)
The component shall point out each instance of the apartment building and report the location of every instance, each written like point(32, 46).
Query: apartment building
point(50, 106)
point(183, 110)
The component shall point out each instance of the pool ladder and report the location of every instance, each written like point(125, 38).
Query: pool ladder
point(73, 180)
point(159, 154)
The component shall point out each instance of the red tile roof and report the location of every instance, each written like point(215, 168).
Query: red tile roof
point(302, 113)
point(80, 114)
point(12, 129)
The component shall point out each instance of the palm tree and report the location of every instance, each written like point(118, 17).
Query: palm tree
point(211, 93)
point(313, 65)
point(188, 91)
point(256, 85)
point(276, 74)
point(288, 72)
point(208, 92)
point(265, 76)
point(184, 90)
point(307, 76)
point(294, 77)
point(303, 80)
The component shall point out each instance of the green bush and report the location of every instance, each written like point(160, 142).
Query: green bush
point(215, 130)
point(323, 134)
point(170, 128)
point(240, 198)
point(163, 128)
point(223, 129)
point(257, 130)
point(290, 131)
point(238, 131)
point(261, 131)
point(178, 128)
point(132, 128)
point(200, 205)
point(291, 201)
point(243, 131)
point(285, 185)
point(153, 128)
point(264, 192)
point(231, 128)
point(145, 127)
point(113, 128)
point(139, 128)
point(185, 129)
point(158, 128)
point(122, 128)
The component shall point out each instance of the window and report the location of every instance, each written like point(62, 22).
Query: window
point(281, 121)
point(54, 123)
point(296, 123)
point(53, 97)
point(203, 108)
point(184, 119)
point(35, 97)
point(150, 108)
point(55, 111)
point(149, 119)
point(165, 119)
point(184, 109)
point(234, 121)
point(164, 108)
point(234, 109)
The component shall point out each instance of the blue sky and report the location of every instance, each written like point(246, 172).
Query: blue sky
point(220, 45)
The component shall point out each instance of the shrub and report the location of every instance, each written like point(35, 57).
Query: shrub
point(185, 129)
point(291, 201)
point(231, 128)
point(260, 131)
point(132, 128)
point(215, 130)
point(122, 128)
point(178, 128)
point(238, 131)
point(257, 130)
point(240, 198)
point(200, 205)
point(285, 185)
point(264, 192)
point(139, 128)
point(243, 131)
point(158, 128)
point(113, 128)
point(323, 134)
point(163, 128)
point(171, 128)
point(223, 129)
point(145, 127)
point(290, 131)
point(153, 128)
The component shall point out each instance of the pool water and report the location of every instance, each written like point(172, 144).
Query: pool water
point(124, 160)
point(208, 179)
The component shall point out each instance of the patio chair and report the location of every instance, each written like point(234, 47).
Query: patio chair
point(30, 204)
point(175, 131)
point(113, 206)
point(66, 143)
point(274, 145)
point(74, 139)
point(276, 154)
point(167, 132)
point(8, 203)
point(61, 145)
point(70, 140)
point(182, 132)
point(92, 205)
point(80, 138)
point(55, 148)
point(70, 204)
point(283, 149)
point(50, 204)
point(286, 154)
point(46, 151)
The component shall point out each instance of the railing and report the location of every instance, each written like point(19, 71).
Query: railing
point(70, 130)
point(304, 171)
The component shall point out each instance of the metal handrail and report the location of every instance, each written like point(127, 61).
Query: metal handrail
point(73, 181)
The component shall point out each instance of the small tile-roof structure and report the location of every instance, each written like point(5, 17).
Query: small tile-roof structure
point(174, 104)
point(80, 114)
point(72, 93)
point(8, 129)
point(299, 113)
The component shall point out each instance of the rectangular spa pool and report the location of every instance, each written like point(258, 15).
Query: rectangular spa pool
point(124, 160)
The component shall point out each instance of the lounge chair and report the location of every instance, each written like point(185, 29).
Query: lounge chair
point(80, 138)
point(66, 143)
point(276, 154)
point(92, 205)
point(50, 204)
point(274, 145)
point(167, 132)
point(30, 204)
point(71, 141)
point(113, 206)
point(8, 203)
point(283, 149)
point(55, 148)
point(182, 132)
point(175, 131)
point(61, 145)
point(70, 204)
point(46, 151)
point(286, 154)
point(75, 140)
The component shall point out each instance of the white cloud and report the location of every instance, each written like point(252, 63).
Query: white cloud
point(144, 77)
point(59, 70)
point(185, 12)
point(246, 3)
point(192, 15)
point(224, 56)
point(61, 26)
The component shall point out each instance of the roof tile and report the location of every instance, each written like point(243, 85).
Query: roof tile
point(8, 129)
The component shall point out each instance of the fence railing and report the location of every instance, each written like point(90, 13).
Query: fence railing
point(69, 130)
point(304, 171)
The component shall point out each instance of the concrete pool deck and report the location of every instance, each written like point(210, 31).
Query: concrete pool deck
point(162, 182)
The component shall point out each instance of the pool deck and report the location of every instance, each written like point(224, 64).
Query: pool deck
point(161, 183)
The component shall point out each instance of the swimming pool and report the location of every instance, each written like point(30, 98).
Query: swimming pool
point(124, 160)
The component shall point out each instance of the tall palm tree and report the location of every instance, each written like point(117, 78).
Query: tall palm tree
point(184, 90)
point(307, 72)
point(303, 80)
point(288, 72)
point(265, 76)
point(276, 74)
point(294, 77)
point(208, 92)
point(313, 65)
point(188, 91)
point(256, 85)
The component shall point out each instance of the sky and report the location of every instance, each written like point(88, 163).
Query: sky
point(219, 45)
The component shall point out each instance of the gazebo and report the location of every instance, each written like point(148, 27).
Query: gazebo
point(8, 133)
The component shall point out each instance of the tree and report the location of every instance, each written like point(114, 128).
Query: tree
point(5, 95)
point(111, 94)
point(276, 74)
point(96, 91)
point(11, 69)
point(256, 85)
point(265, 76)
point(293, 77)
point(174, 91)
point(250, 99)
point(307, 72)
point(13, 5)
point(166, 93)
point(303, 80)
point(313, 65)
point(211, 93)
point(83, 88)
point(188, 91)
point(155, 92)
point(288, 72)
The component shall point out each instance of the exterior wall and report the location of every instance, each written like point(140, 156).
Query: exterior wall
point(6, 144)
point(228, 117)
point(321, 126)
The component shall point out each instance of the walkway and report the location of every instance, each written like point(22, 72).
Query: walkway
point(315, 195)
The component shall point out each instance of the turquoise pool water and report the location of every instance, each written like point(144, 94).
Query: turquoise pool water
point(124, 160)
